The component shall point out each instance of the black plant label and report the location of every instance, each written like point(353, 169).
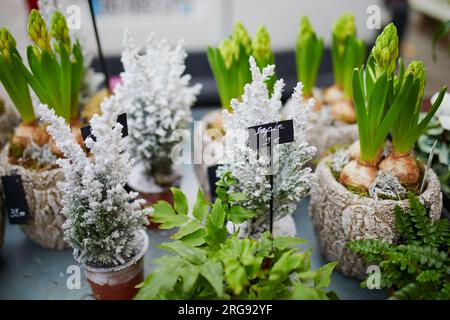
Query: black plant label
point(16, 203)
point(212, 179)
point(86, 131)
point(266, 135)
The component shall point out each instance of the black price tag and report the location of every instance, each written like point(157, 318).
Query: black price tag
point(212, 179)
point(86, 131)
point(263, 135)
point(16, 203)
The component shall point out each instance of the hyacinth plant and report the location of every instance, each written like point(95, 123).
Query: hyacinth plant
point(383, 101)
point(207, 262)
point(377, 108)
point(56, 73)
point(347, 52)
point(408, 126)
point(14, 82)
point(308, 54)
point(158, 100)
point(102, 218)
point(91, 79)
point(291, 181)
point(229, 61)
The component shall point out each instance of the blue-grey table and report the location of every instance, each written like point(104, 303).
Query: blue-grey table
point(28, 271)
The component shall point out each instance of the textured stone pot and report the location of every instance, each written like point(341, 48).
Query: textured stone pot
point(201, 142)
point(118, 283)
point(326, 132)
point(8, 120)
point(340, 216)
point(44, 223)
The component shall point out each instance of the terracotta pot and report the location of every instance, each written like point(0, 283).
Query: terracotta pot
point(340, 216)
point(148, 190)
point(201, 141)
point(44, 222)
point(118, 283)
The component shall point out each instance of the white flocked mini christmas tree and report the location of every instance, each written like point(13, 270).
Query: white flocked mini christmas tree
point(158, 99)
point(102, 218)
point(291, 181)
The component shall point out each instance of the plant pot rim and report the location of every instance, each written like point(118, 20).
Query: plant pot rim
point(138, 172)
point(143, 246)
point(20, 169)
point(430, 178)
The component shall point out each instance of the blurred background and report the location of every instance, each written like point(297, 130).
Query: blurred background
point(206, 22)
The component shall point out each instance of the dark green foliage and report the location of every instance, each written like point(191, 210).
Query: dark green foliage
point(418, 266)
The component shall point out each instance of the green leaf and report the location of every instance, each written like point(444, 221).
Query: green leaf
point(189, 277)
point(200, 209)
point(164, 214)
point(239, 214)
point(282, 243)
point(323, 277)
point(213, 272)
point(187, 229)
point(195, 239)
point(286, 264)
point(303, 292)
point(217, 216)
point(180, 201)
point(235, 275)
point(194, 255)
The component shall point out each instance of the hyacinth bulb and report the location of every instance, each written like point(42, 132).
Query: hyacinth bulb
point(37, 31)
point(385, 50)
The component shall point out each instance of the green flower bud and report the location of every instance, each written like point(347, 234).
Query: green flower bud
point(59, 29)
point(305, 28)
point(261, 45)
point(344, 27)
point(417, 69)
point(241, 37)
point(7, 43)
point(37, 31)
point(385, 50)
point(228, 49)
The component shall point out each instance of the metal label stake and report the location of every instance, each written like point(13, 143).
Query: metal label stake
point(261, 137)
point(99, 46)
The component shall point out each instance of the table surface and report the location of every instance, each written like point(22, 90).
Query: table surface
point(28, 271)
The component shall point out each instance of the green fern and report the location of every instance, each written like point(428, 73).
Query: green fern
point(418, 266)
point(210, 263)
